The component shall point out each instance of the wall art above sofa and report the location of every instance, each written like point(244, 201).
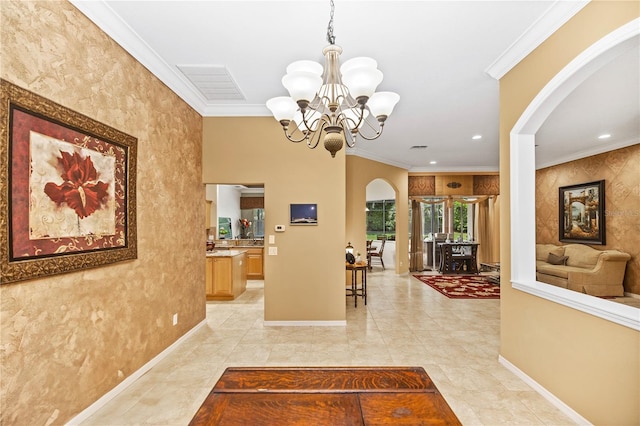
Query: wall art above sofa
point(581, 215)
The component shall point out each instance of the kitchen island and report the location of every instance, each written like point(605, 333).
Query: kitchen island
point(255, 255)
point(226, 274)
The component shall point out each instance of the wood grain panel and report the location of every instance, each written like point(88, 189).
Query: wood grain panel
point(454, 185)
point(420, 186)
point(325, 379)
point(324, 396)
point(251, 203)
point(281, 409)
point(406, 408)
point(486, 185)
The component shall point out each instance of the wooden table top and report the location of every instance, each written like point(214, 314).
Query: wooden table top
point(356, 265)
point(324, 396)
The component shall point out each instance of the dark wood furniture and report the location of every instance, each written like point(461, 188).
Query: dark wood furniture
point(324, 396)
point(355, 290)
point(458, 258)
point(376, 253)
point(370, 249)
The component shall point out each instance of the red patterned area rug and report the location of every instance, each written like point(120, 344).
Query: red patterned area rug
point(462, 286)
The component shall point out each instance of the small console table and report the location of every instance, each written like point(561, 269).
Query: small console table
point(356, 291)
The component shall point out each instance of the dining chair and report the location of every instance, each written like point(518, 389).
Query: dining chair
point(377, 254)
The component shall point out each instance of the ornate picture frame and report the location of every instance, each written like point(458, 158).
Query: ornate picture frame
point(67, 189)
point(581, 213)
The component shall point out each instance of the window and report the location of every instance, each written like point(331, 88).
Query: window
point(432, 219)
point(381, 219)
point(256, 217)
point(463, 214)
point(454, 218)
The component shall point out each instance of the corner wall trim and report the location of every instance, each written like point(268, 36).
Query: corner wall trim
point(305, 323)
point(554, 400)
point(102, 401)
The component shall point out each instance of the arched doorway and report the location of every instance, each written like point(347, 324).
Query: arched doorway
point(380, 212)
point(522, 153)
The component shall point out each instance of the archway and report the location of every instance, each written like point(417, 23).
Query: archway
point(522, 159)
point(380, 211)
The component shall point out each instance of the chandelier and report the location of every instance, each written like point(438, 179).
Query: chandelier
point(333, 103)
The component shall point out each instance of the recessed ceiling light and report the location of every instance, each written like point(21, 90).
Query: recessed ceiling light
point(476, 137)
point(433, 162)
point(604, 136)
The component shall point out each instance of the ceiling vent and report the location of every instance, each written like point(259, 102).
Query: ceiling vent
point(419, 147)
point(213, 81)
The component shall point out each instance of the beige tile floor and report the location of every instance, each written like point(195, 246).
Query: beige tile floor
point(404, 323)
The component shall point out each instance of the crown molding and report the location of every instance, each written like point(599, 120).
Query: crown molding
point(587, 153)
point(230, 110)
point(474, 170)
point(554, 17)
point(101, 14)
point(359, 152)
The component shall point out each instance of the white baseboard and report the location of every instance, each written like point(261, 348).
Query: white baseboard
point(93, 408)
point(305, 323)
point(545, 393)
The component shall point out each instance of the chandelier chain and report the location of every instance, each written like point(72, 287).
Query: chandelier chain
point(330, 37)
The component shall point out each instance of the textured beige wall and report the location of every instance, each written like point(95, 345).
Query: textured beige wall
point(305, 281)
point(620, 170)
point(68, 339)
point(591, 364)
point(360, 172)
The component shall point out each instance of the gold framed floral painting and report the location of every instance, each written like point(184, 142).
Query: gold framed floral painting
point(68, 189)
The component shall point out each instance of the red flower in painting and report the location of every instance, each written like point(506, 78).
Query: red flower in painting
point(80, 188)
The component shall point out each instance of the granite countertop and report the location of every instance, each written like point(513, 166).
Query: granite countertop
point(225, 253)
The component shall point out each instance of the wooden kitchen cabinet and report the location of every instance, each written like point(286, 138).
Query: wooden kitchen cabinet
point(226, 275)
point(255, 263)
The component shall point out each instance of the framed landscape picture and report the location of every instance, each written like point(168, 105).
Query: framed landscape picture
point(582, 213)
point(68, 189)
point(303, 214)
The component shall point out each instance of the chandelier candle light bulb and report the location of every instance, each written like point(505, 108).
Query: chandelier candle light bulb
point(334, 102)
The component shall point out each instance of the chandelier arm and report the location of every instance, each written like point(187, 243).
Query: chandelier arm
point(314, 139)
point(348, 103)
point(292, 139)
point(376, 136)
point(309, 126)
point(350, 140)
point(346, 119)
point(376, 126)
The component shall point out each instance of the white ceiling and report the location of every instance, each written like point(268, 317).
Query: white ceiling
point(444, 58)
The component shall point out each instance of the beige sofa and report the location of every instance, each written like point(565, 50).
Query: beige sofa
point(581, 268)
